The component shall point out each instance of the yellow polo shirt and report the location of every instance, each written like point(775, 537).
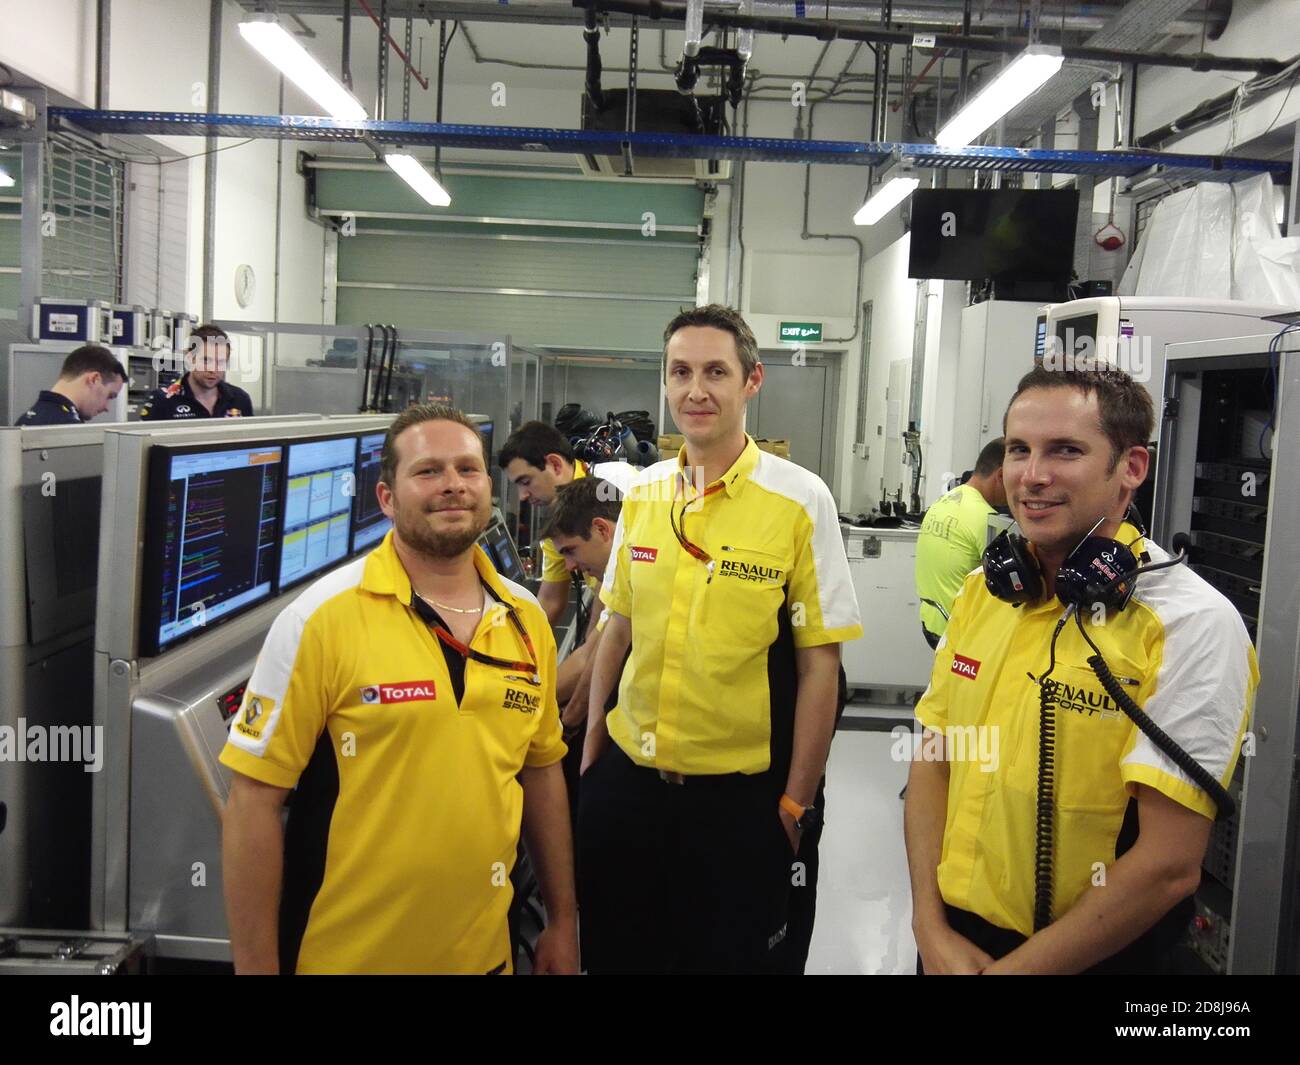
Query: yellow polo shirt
point(408, 802)
point(710, 684)
point(1182, 652)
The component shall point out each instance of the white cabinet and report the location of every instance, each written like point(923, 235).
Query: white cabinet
point(891, 652)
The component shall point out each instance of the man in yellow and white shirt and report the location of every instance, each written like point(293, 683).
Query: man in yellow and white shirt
point(408, 700)
point(1129, 827)
point(729, 582)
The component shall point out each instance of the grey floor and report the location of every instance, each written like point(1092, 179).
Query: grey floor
point(864, 905)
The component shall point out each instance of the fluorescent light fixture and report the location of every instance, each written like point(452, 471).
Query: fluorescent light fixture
point(1025, 75)
point(279, 48)
point(884, 200)
point(6, 180)
point(412, 171)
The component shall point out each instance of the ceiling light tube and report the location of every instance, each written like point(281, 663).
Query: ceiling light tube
point(1023, 77)
point(885, 199)
point(279, 48)
point(413, 172)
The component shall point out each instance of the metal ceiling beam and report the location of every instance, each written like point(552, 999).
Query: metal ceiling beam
point(992, 14)
point(660, 145)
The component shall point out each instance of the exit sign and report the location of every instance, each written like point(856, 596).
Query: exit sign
point(801, 332)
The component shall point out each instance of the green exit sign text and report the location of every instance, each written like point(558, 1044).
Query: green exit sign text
point(801, 332)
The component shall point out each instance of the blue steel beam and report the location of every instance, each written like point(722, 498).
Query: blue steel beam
point(665, 145)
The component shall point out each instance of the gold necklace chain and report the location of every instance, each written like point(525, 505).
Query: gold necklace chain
point(453, 609)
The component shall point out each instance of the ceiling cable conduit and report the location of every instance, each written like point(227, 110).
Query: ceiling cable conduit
point(1216, 107)
point(826, 30)
point(660, 145)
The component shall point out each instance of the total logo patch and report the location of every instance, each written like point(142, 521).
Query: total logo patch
point(410, 691)
point(645, 554)
point(965, 667)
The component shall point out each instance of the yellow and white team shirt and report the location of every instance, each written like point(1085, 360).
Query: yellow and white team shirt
point(620, 475)
point(1184, 656)
point(710, 684)
point(404, 826)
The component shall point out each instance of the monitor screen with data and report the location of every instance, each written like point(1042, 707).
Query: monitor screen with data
point(369, 525)
point(210, 537)
point(320, 486)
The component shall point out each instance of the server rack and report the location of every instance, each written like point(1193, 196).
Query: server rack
point(1231, 418)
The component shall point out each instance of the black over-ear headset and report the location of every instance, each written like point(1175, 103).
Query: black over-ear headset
point(1098, 570)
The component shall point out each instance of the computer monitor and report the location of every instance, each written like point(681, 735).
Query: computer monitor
point(320, 483)
point(369, 525)
point(210, 534)
point(501, 550)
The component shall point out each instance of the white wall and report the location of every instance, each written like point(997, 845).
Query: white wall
point(52, 43)
point(789, 278)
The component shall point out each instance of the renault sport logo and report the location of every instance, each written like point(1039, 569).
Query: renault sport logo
point(645, 554)
point(965, 667)
point(410, 691)
point(253, 712)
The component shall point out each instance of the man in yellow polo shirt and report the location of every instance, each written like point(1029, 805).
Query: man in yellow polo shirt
point(1129, 828)
point(952, 539)
point(409, 699)
point(538, 460)
point(729, 581)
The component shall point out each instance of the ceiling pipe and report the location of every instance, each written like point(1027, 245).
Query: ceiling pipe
point(347, 45)
point(993, 14)
point(825, 30)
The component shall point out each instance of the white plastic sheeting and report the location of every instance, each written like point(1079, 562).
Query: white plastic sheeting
point(1217, 241)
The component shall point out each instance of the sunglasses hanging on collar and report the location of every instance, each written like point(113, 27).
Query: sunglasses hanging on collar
point(678, 521)
point(529, 669)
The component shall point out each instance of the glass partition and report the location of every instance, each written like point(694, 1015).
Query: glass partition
point(346, 369)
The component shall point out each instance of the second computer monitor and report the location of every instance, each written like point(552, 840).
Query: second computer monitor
point(321, 484)
point(369, 524)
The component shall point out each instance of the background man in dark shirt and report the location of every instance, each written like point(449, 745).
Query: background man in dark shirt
point(88, 383)
point(202, 392)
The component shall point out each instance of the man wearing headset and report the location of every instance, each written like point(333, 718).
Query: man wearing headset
point(408, 699)
point(1121, 843)
point(729, 581)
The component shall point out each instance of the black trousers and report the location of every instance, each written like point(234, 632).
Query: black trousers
point(681, 878)
point(1149, 955)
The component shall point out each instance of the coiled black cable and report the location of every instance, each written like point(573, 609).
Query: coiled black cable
point(1046, 803)
point(1045, 813)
